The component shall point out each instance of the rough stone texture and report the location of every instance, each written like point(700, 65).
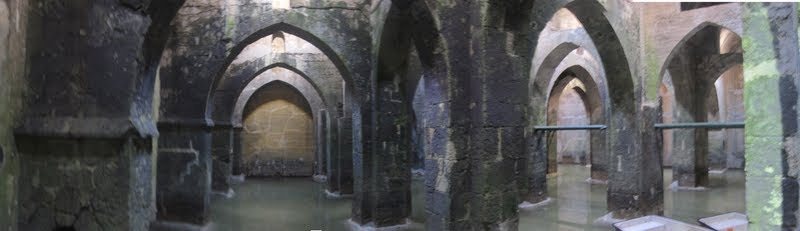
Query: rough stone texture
point(341, 177)
point(88, 120)
point(13, 88)
point(184, 174)
point(221, 149)
point(236, 155)
point(475, 126)
point(85, 184)
point(770, 73)
point(278, 133)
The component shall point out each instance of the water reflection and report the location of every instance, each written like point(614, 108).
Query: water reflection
point(577, 204)
point(300, 204)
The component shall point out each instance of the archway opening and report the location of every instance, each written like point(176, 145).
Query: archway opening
point(702, 84)
point(573, 146)
point(699, 85)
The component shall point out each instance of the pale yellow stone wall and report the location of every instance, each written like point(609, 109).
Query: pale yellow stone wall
point(278, 136)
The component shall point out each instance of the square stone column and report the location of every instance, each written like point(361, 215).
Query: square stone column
point(236, 155)
point(184, 173)
point(87, 183)
point(382, 194)
point(221, 150)
point(771, 74)
point(340, 176)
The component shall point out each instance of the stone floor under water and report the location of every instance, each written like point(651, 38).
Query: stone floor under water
point(301, 204)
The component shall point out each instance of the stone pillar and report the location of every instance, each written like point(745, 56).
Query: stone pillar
point(635, 184)
point(599, 155)
point(236, 155)
point(340, 180)
point(70, 177)
point(184, 173)
point(383, 190)
point(321, 147)
point(85, 139)
point(552, 152)
point(536, 167)
point(771, 76)
point(690, 151)
point(221, 149)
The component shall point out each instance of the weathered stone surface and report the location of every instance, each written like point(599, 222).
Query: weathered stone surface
point(221, 149)
point(184, 174)
point(236, 155)
point(278, 133)
point(770, 73)
point(86, 184)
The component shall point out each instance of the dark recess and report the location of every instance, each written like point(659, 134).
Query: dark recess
point(697, 5)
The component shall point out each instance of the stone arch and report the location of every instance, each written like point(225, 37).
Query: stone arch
point(622, 134)
point(688, 36)
point(334, 88)
point(284, 28)
point(403, 26)
point(296, 79)
point(592, 96)
point(691, 68)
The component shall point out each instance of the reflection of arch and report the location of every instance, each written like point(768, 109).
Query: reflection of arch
point(267, 31)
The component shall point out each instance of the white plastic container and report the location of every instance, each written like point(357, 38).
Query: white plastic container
point(726, 222)
point(656, 223)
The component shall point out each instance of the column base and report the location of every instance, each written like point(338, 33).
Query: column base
point(529, 205)
point(178, 226)
point(237, 179)
point(352, 225)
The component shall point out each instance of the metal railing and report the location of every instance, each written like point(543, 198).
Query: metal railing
point(702, 125)
point(708, 125)
point(584, 127)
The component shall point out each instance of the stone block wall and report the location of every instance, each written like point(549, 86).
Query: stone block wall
point(278, 136)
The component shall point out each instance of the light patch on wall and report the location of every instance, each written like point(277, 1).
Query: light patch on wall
point(278, 43)
point(564, 20)
point(281, 4)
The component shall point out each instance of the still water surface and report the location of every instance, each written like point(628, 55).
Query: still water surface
point(289, 204)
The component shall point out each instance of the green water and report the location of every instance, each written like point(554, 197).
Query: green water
point(300, 204)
